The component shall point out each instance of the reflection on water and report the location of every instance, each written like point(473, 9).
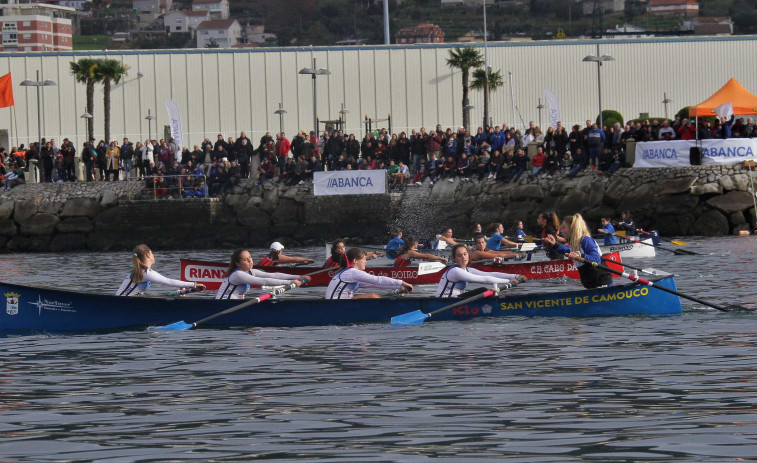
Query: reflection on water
point(545, 389)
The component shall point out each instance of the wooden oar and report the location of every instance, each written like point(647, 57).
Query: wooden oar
point(626, 265)
point(424, 268)
point(676, 242)
point(182, 291)
point(417, 317)
point(674, 251)
point(643, 281)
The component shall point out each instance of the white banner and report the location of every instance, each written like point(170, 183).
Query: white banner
point(174, 117)
point(676, 153)
point(724, 110)
point(349, 182)
point(554, 108)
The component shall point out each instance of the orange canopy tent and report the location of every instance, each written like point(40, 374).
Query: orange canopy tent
point(743, 101)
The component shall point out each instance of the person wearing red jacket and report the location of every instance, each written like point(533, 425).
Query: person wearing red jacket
point(282, 151)
point(538, 161)
point(687, 131)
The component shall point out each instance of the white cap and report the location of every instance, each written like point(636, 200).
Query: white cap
point(276, 246)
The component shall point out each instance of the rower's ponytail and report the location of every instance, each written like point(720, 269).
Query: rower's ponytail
point(138, 267)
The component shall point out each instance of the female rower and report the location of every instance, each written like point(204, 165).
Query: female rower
point(454, 280)
point(142, 275)
point(338, 248)
point(408, 251)
point(353, 276)
point(275, 257)
point(626, 223)
point(495, 230)
point(580, 243)
point(240, 275)
point(445, 237)
point(550, 226)
point(481, 252)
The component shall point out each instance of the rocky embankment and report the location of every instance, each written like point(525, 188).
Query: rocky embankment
point(697, 200)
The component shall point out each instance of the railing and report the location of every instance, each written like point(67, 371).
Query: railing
point(172, 186)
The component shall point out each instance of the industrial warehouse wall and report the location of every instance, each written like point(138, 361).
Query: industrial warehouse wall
point(227, 91)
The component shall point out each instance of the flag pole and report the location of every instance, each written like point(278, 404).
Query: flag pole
point(15, 120)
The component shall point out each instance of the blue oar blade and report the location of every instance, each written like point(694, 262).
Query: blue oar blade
point(410, 318)
point(178, 326)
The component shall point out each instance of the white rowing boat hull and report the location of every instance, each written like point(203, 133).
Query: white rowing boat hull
point(631, 250)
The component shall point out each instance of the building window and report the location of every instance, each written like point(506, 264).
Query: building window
point(178, 28)
point(10, 37)
point(9, 26)
point(27, 23)
point(27, 36)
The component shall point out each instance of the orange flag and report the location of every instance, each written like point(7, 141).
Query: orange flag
point(6, 91)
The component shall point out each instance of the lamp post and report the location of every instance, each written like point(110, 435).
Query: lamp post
point(540, 107)
point(665, 102)
point(599, 60)
point(343, 112)
point(149, 119)
point(87, 118)
point(315, 72)
point(281, 111)
point(38, 83)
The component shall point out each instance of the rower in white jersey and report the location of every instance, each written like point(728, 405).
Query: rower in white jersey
point(143, 276)
point(353, 276)
point(454, 280)
point(240, 276)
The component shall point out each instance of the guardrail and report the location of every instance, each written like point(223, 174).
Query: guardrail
point(172, 186)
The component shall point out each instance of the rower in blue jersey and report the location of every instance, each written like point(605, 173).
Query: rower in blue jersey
point(394, 244)
point(609, 232)
point(240, 276)
point(142, 275)
point(581, 244)
point(495, 230)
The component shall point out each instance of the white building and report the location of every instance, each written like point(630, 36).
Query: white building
point(218, 9)
point(36, 27)
point(184, 21)
point(75, 4)
point(224, 32)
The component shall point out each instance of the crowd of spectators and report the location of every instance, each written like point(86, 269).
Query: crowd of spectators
point(496, 153)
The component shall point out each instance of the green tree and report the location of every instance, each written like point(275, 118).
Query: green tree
point(110, 71)
point(479, 82)
point(84, 72)
point(465, 59)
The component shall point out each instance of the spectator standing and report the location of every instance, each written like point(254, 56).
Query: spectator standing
point(69, 154)
point(595, 141)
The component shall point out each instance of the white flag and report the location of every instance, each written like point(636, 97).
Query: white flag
point(554, 108)
point(724, 110)
point(174, 117)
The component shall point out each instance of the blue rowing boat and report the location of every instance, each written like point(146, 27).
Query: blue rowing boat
point(43, 309)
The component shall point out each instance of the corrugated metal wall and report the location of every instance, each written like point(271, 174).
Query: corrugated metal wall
point(228, 91)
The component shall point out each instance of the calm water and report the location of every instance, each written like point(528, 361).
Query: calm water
point(680, 388)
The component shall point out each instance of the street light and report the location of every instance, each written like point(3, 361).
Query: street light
point(599, 60)
point(343, 112)
point(281, 111)
point(38, 83)
point(149, 119)
point(87, 118)
point(315, 72)
point(665, 102)
point(540, 107)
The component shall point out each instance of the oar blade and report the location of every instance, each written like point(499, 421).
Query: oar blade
point(178, 326)
point(424, 268)
point(683, 252)
point(410, 318)
point(679, 243)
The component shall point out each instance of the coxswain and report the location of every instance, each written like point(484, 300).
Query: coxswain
point(409, 251)
point(276, 257)
point(581, 244)
point(495, 230)
point(481, 252)
point(142, 275)
point(338, 248)
point(626, 224)
point(240, 275)
point(520, 234)
point(550, 226)
point(456, 278)
point(353, 276)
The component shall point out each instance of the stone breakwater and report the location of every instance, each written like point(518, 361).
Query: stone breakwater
point(102, 216)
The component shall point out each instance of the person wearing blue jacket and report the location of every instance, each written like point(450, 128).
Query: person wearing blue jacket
point(609, 231)
point(581, 244)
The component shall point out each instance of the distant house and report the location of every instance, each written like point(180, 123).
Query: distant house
point(75, 4)
point(218, 9)
point(257, 34)
point(473, 36)
point(712, 26)
point(674, 7)
point(36, 27)
point(608, 6)
point(152, 6)
point(226, 33)
point(422, 33)
point(184, 21)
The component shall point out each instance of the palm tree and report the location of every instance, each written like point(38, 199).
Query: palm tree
point(110, 71)
point(480, 82)
point(84, 73)
point(465, 59)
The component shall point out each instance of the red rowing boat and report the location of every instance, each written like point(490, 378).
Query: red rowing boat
point(211, 273)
